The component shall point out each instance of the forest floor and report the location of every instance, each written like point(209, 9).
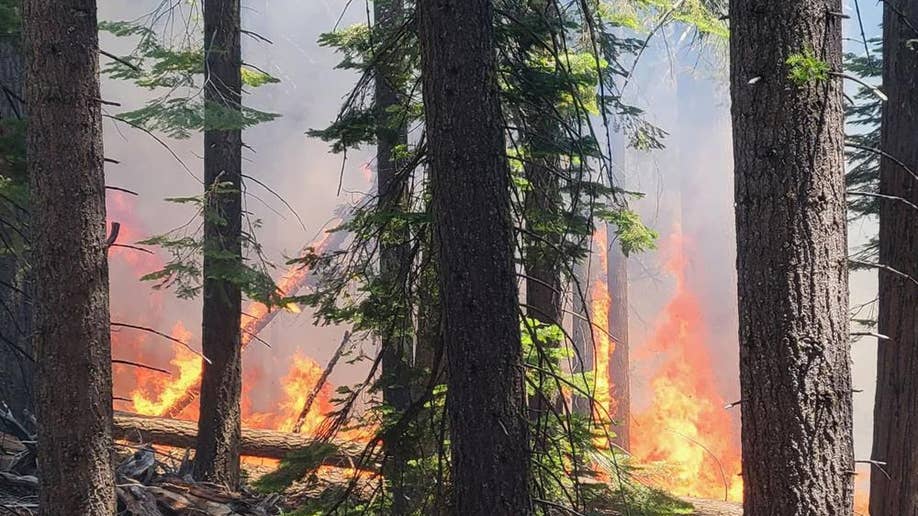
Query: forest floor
point(715, 508)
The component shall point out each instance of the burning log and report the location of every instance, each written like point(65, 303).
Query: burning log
point(255, 443)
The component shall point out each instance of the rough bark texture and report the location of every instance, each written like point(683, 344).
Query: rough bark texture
point(217, 453)
point(581, 334)
point(474, 240)
point(619, 362)
point(72, 340)
point(184, 434)
point(791, 261)
point(394, 251)
point(895, 428)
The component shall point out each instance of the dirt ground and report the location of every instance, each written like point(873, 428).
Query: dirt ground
point(715, 508)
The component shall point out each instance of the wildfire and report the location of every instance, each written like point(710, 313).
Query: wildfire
point(157, 392)
point(299, 382)
point(686, 429)
point(600, 303)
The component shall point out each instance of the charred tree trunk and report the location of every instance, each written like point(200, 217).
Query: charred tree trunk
point(541, 258)
point(581, 333)
point(474, 240)
point(219, 423)
point(16, 363)
point(394, 250)
point(619, 362)
point(791, 260)
point(895, 431)
point(71, 339)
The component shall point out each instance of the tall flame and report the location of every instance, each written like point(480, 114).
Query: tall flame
point(155, 391)
point(600, 304)
point(686, 429)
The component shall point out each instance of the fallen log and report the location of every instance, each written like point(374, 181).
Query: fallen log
point(268, 444)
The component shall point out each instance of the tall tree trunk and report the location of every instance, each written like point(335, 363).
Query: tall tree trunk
point(72, 339)
point(895, 431)
point(791, 260)
point(16, 366)
point(394, 250)
point(581, 333)
point(219, 423)
point(619, 362)
point(542, 264)
point(474, 239)
point(617, 283)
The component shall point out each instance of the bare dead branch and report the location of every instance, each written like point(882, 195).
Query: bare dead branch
point(163, 335)
point(140, 366)
point(307, 405)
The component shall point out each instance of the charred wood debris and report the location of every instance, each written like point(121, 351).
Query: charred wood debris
point(148, 482)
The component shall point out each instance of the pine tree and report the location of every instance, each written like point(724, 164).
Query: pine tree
point(394, 252)
point(791, 245)
point(894, 490)
point(474, 242)
point(71, 340)
point(220, 423)
point(619, 362)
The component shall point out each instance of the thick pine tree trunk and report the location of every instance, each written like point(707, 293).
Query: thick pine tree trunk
point(72, 340)
point(474, 240)
point(791, 260)
point(219, 424)
point(394, 251)
point(895, 432)
point(619, 362)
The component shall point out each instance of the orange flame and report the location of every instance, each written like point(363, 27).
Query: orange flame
point(600, 303)
point(156, 392)
point(299, 382)
point(687, 429)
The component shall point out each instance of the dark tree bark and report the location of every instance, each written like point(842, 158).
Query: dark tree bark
point(791, 260)
point(619, 362)
point(394, 251)
point(71, 339)
point(581, 333)
point(541, 258)
point(219, 424)
point(895, 431)
point(474, 240)
point(16, 366)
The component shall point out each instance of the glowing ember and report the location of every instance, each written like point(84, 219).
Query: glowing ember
point(686, 428)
